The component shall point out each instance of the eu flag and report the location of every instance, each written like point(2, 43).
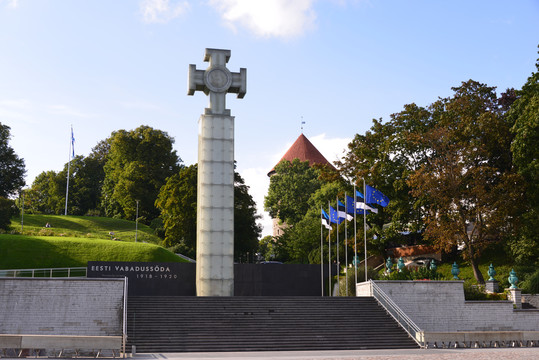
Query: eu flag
point(373, 196)
point(334, 216)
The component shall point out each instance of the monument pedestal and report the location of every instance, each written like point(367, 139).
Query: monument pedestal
point(492, 286)
point(215, 212)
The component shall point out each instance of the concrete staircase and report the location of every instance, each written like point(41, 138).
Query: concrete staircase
point(205, 324)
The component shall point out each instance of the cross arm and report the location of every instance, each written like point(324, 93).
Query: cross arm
point(239, 83)
point(195, 80)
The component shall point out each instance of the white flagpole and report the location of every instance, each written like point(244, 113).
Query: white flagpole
point(365, 225)
point(355, 235)
point(338, 260)
point(345, 242)
point(321, 251)
point(68, 168)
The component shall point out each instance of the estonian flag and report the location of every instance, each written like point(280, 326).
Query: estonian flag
point(361, 206)
point(325, 220)
point(374, 196)
point(342, 211)
point(351, 205)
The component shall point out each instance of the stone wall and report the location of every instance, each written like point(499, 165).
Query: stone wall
point(440, 306)
point(89, 307)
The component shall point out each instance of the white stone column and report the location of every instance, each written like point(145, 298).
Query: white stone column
point(215, 212)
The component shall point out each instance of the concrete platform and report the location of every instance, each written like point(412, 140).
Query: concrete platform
point(439, 354)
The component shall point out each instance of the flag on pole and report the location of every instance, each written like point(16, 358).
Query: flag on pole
point(334, 216)
point(373, 196)
point(351, 205)
point(325, 220)
point(361, 206)
point(342, 211)
point(72, 142)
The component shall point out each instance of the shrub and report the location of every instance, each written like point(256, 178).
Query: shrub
point(371, 274)
point(531, 284)
point(477, 293)
point(420, 273)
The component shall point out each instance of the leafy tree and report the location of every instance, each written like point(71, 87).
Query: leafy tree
point(177, 201)
point(12, 168)
point(47, 194)
point(524, 113)
point(385, 157)
point(290, 189)
point(7, 210)
point(138, 163)
point(466, 182)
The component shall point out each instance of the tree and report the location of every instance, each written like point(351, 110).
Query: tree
point(466, 182)
point(290, 189)
point(524, 113)
point(12, 168)
point(7, 210)
point(138, 163)
point(47, 194)
point(385, 157)
point(177, 202)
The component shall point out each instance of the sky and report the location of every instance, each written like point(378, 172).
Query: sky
point(102, 66)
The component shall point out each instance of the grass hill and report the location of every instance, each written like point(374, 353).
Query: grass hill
point(83, 226)
point(72, 241)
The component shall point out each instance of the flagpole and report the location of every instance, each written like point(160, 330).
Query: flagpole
point(338, 260)
point(365, 225)
point(321, 251)
point(346, 242)
point(68, 168)
point(329, 255)
point(355, 234)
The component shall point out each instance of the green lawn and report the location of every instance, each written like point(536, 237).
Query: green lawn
point(83, 226)
point(31, 252)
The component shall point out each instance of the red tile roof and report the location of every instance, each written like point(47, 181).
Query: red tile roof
point(303, 150)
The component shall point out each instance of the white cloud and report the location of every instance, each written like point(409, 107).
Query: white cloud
point(12, 3)
point(162, 11)
point(268, 18)
point(67, 111)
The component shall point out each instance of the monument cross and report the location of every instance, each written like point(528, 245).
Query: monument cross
point(215, 183)
point(216, 81)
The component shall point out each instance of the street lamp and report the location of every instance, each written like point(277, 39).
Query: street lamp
point(136, 223)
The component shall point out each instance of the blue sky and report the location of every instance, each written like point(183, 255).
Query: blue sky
point(103, 65)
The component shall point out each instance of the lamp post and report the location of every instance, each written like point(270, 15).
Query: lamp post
point(136, 223)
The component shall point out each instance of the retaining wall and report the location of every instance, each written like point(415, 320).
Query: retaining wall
point(86, 307)
point(439, 306)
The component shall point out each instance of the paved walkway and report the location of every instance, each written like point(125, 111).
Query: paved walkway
point(438, 354)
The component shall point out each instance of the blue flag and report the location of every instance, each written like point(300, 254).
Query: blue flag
point(374, 196)
point(351, 205)
point(72, 142)
point(334, 216)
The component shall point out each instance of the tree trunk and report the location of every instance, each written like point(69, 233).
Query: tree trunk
point(473, 261)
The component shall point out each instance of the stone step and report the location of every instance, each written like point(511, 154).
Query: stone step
point(183, 324)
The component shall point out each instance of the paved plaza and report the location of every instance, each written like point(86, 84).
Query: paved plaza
point(438, 354)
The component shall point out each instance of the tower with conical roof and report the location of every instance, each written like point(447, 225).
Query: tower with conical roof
point(303, 150)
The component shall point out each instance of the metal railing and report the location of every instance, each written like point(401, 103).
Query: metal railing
point(45, 273)
point(393, 309)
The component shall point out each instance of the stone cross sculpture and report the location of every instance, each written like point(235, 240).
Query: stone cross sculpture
point(215, 187)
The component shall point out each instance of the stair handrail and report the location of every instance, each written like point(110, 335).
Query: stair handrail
point(396, 312)
point(46, 272)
